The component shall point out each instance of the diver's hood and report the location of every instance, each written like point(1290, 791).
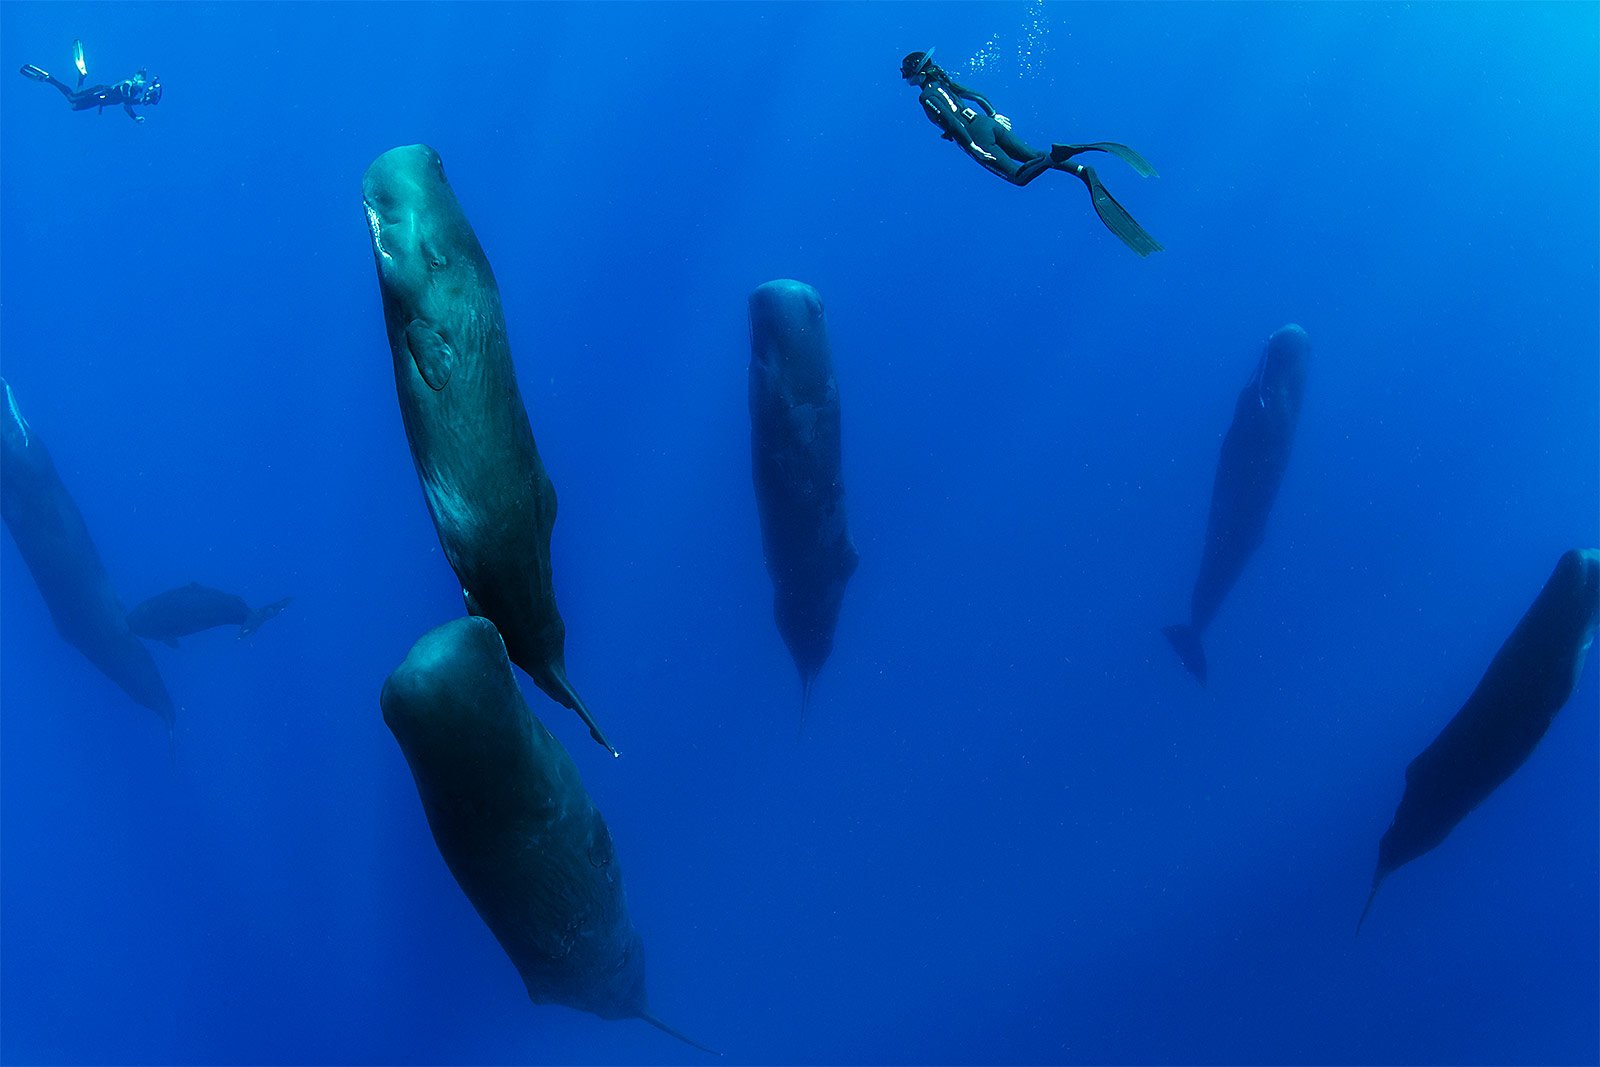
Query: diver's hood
point(912, 66)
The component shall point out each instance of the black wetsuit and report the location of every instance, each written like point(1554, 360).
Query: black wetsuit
point(999, 151)
point(99, 97)
point(979, 135)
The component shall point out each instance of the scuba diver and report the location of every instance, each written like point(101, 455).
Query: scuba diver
point(141, 90)
point(986, 136)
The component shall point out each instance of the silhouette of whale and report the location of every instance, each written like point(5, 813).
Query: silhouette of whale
point(1501, 723)
point(54, 542)
point(514, 824)
point(491, 501)
point(794, 447)
point(1255, 454)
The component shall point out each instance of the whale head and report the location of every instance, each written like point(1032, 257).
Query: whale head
point(428, 258)
point(1573, 593)
point(1284, 365)
point(788, 336)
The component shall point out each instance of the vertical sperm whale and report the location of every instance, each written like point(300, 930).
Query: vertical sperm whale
point(54, 542)
point(486, 488)
point(1501, 723)
point(794, 446)
point(515, 825)
point(1255, 453)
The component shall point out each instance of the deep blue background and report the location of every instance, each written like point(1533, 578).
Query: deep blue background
point(1015, 829)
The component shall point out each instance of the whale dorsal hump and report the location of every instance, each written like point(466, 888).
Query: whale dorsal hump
point(431, 353)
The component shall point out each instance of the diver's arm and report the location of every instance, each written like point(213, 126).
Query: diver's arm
point(976, 97)
point(129, 109)
point(955, 130)
point(983, 102)
point(950, 124)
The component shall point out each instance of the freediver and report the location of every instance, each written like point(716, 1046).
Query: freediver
point(141, 90)
point(985, 135)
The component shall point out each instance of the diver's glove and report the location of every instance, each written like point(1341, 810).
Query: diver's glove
point(1002, 120)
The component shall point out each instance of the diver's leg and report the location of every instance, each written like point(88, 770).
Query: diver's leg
point(92, 97)
point(1014, 146)
point(987, 137)
point(40, 75)
point(1031, 170)
point(1012, 171)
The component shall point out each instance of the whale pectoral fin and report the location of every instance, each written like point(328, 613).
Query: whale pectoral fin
point(432, 354)
point(472, 604)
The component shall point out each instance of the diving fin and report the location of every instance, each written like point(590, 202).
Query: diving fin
point(1062, 152)
point(1116, 217)
point(1186, 642)
point(77, 61)
point(38, 74)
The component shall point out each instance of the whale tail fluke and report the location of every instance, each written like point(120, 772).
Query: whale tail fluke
point(806, 682)
point(687, 1040)
point(172, 742)
point(1377, 880)
point(261, 615)
point(555, 674)
point(1186, 641)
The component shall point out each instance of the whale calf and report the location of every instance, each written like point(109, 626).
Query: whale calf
point(514, 824)
point(54, 542)
point(492, 504)
point(1255, 454)
point(1501, 723)
point(795, 452)
point(188, 609)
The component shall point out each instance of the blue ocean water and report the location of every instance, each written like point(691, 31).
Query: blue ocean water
point(1014, 830)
